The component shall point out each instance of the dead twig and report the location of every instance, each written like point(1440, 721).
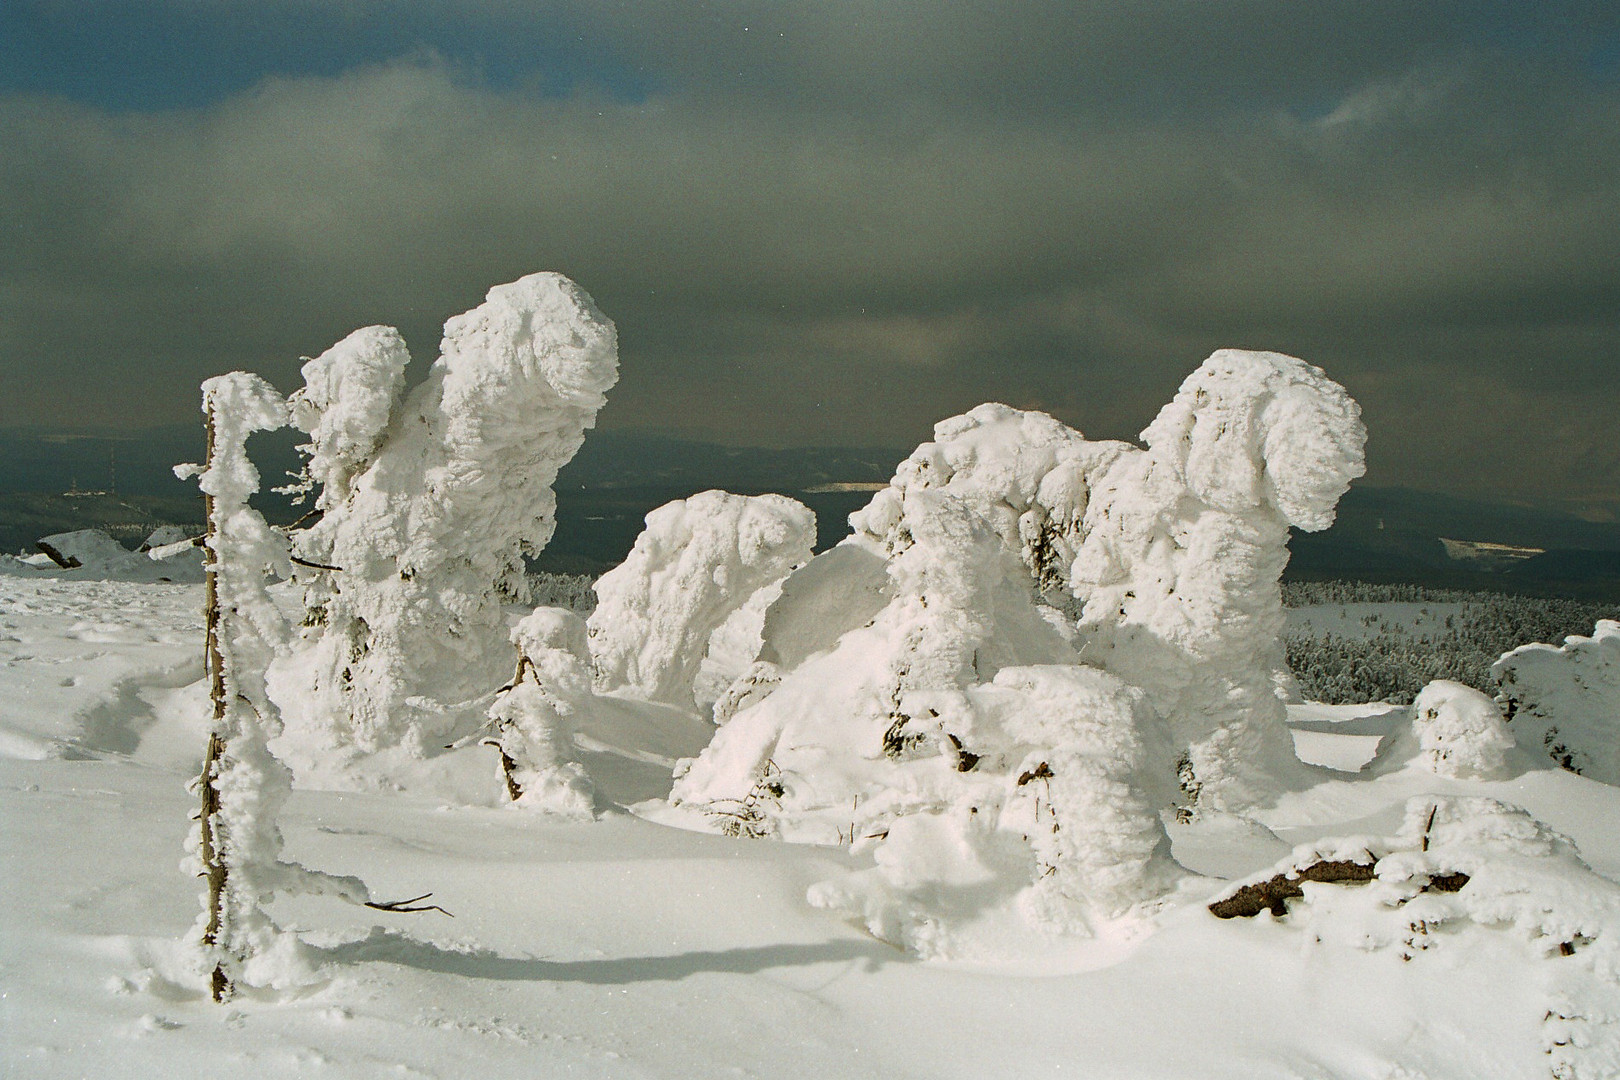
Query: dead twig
point(404, 905)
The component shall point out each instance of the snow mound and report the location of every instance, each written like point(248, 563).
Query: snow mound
point(696, 563)
point(430, 505)
point(1566, 699)
point(1467, 877)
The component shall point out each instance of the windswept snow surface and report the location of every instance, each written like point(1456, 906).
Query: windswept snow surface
point(626, 949)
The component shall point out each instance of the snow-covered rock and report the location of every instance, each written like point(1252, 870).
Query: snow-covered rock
point(92, 554)
point(425, 531)
point(696, 563)
point(1566, 700)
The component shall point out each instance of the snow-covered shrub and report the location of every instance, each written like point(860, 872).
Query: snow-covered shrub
point(1458, 864)
point(1026, 474)
point(953, 728)
point(1456, 732)
point(1053, 822)
point(1185, 542)
point(697, 561)
point(851, 727)
point(430, 506)
point(1566, 699)
point(243, 785)
point(534, 716)
point(1175, 549)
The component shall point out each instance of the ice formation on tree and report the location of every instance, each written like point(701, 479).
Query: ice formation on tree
point(1174, 550)
point(430, 505)
point(911, 691)
point(534, 716)
point(1566, 699)
point(238, 841)
point(1456, 732)
point(697, 561)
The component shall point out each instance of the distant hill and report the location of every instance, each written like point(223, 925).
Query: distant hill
point(1382, 534)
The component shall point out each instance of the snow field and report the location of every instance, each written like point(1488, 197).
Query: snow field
point(622, 948)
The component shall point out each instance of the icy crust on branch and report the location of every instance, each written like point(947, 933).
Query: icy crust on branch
point(1566, 700)
point(535, 716)
point(697, 562)
point(406, 635)
point(243, 553)
point(1456, 732)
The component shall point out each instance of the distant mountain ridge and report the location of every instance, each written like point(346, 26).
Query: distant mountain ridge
point(1382, 534)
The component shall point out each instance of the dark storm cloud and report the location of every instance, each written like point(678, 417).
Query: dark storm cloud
point(840, 222)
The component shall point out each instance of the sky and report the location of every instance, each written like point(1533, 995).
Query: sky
point(837, 222)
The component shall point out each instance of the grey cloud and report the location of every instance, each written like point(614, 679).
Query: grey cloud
point(786, 268)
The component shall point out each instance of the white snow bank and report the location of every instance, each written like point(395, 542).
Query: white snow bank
point(407, 638)
point(1460, 867)
point(697, 561)
point(1566, 699)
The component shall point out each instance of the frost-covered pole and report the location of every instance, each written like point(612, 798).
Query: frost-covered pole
point(241, 631)
point(213, 864)
point(236, 843)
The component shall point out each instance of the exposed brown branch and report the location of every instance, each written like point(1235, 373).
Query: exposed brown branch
point(404, 906)
point(314, 565)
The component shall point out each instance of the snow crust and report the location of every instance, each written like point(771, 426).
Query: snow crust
point(430, 505)
point(697, 562)
point(1566, 699)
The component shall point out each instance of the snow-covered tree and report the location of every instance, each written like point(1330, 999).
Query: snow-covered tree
point(236, 841)
point(1174, 549)
point(1456, 732)
point(430, 505)
point(1185, 542)
point(534, 716)
point(697, 561)
point(1566, 700)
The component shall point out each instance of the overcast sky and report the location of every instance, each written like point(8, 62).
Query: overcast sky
point(838, 222)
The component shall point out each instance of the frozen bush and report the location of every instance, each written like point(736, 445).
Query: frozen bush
point(534, 717)
point(697, 561)
point(1456, 732)
point(426, 525)
point(1566, 699)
